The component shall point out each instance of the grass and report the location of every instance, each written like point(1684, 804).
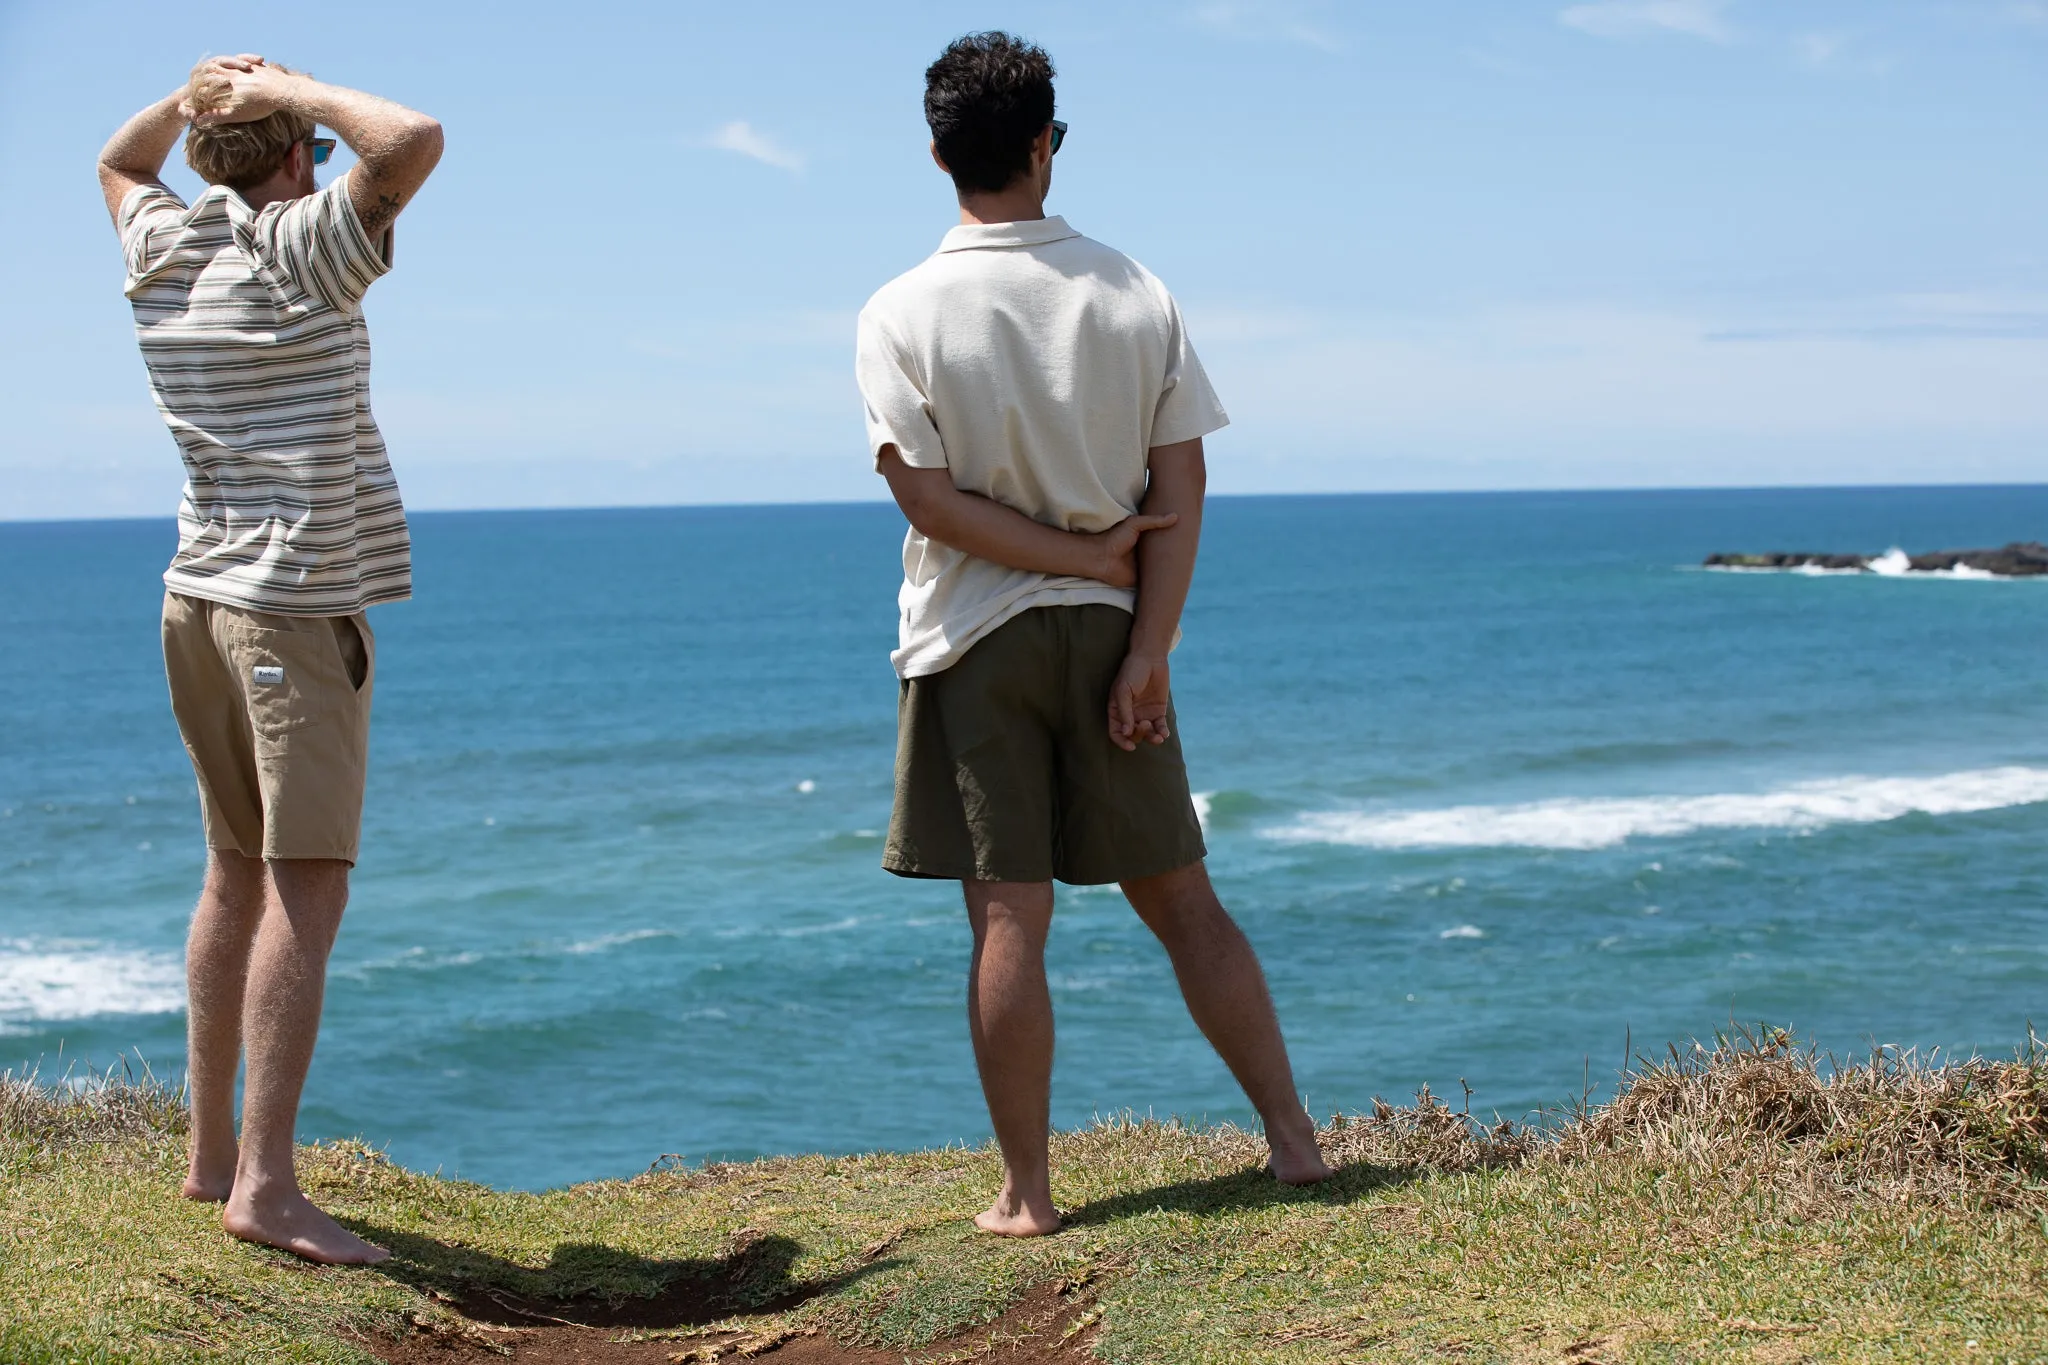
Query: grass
point(1747, 1201)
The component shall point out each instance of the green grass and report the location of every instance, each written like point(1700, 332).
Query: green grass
point(1736, 1203)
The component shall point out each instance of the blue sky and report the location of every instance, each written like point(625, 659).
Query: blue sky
point(1427, 244)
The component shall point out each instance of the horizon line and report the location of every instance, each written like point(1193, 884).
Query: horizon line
point(884, 501)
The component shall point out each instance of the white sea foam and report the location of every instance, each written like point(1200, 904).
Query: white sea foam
point(1204, 801)
point(1893, 563)
point(838, 926)
point(70, 980)
point(1573, 823)
point(605, 941)
point(1464, 931)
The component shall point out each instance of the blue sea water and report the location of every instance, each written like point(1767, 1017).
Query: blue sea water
point(1496, 783)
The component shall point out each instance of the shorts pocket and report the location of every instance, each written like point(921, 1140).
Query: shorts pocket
point(358, 649)
point(280, 672)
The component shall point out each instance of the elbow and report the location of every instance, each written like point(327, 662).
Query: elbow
point(425, 140)
point(925, 513)
point(412, 147)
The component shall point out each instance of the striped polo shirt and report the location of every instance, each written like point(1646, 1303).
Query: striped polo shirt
point(252, 329)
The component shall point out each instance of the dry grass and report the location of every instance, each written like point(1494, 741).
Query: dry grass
point(1752, 1109)
point(121, 1103)
point(1758, 1109)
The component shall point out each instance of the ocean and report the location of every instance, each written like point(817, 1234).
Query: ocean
point(1499, 785)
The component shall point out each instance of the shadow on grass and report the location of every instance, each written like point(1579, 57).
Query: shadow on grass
point(591, 1285)
point(1252, 1188)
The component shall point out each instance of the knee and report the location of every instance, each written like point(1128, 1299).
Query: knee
point(1006, 920)
point(234, 880)
point(1020, 914)
point(1179, 906)
point(311, 888)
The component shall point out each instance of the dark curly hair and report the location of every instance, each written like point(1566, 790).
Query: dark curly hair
point(987, 97)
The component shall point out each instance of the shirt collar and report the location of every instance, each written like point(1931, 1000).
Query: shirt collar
point(1035, 232)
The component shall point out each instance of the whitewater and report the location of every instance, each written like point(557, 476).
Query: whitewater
point(1588, 823)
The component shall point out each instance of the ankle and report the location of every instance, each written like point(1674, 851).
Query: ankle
point(256, 1186)
point(1025, 1196)
point(1292, 1126)
point(214, 1154)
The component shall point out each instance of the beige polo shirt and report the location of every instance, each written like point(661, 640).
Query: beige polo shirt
point(1039, 367)
point(251, 326)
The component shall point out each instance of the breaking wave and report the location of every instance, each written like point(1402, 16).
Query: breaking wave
point(1575, 823)
point(66, 980)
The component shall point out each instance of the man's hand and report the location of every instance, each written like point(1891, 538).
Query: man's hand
point(987, 529)
point(1119, 548)
point(1137, 703)
point(238, 90)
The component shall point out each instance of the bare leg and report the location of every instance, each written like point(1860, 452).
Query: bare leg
point(1226, 993)
point(1009, 1015)
point(287, 984)
point(216, 972)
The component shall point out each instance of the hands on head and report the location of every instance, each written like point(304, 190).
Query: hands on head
point(239, 89)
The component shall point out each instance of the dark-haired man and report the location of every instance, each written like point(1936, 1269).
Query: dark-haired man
point(1036, 407)
point(248, 308)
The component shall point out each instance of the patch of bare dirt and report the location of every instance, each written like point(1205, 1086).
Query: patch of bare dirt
point(1045, 1327)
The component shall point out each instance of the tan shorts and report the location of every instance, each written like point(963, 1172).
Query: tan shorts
point(1005, 771)
point(275, 712)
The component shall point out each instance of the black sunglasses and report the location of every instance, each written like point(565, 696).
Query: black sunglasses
point(1059, 135)
point(323, 147)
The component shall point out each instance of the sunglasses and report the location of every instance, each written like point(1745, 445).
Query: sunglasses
point(323, 148)
point(1059, 135)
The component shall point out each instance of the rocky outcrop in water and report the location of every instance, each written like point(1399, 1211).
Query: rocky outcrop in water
point(2027, 559)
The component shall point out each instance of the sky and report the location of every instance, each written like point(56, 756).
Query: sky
point(1421, 244)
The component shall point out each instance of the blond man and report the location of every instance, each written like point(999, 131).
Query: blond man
point(248, 309)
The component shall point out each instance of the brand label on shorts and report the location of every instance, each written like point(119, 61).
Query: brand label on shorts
point(267, 673)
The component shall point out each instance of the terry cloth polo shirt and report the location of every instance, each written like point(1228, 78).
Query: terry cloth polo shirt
point(1039, 367)
point(252, 330)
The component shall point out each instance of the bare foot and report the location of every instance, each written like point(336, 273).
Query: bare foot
point(210, 1177)
point(292, 1224)
point(1010, 1216)
point(1295, 1159)
point(208, 1189)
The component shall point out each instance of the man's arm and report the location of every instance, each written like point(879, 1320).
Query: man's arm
point(397, 147)
point(1166, 567)
point(135, 155)
point(986, 529)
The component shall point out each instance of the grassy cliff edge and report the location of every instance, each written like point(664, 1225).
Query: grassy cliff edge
point(1740, 1201)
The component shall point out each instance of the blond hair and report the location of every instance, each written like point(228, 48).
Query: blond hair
point(238, 155)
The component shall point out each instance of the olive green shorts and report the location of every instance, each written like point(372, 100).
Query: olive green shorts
point(1005, 771)
point(275, 714)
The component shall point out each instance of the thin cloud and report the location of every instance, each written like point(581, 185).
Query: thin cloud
point(1647, 18)
point(1820, 48)
point(1839, 51)
point(1268, 22)
point(742, 137)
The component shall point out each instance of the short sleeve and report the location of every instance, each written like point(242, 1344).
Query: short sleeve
point(1188, 406)
point(321, 245)
point(899, 411)
point(148, 222)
